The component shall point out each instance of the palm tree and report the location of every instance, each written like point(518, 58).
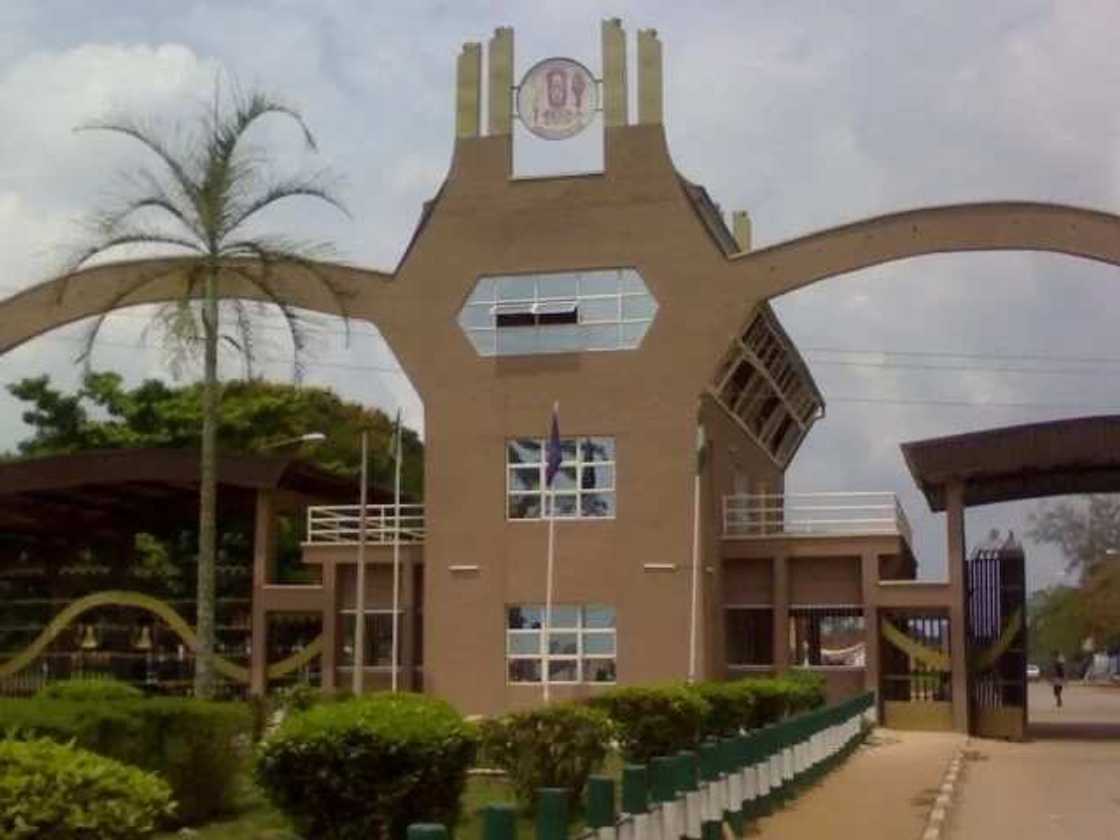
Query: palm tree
point(203, 200)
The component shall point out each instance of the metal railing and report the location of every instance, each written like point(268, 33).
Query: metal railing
point(816, 514)
point(342, 524)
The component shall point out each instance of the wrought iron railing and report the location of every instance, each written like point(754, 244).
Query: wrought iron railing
point(818, 514)
point(342, 524)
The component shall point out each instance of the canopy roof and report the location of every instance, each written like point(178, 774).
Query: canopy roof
point(1081, 455)
point(110, 492)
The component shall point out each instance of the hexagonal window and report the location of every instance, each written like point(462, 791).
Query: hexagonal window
point(558, 312)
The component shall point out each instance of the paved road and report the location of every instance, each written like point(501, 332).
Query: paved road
point(1064, 783)
point(883, 792)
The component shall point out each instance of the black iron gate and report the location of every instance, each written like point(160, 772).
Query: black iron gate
point(995, 612)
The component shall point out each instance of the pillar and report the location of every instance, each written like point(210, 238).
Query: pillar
point(614, 73)
point(954, 522)
point(649, 77)
point(500, 54)
point(870, 571)
point(781, 612)
point(468, 91)
point(329, 657)
point(264, 558)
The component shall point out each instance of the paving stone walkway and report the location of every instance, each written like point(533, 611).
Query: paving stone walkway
point(883, 792)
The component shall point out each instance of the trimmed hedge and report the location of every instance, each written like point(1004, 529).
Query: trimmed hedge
point(89, 688)
point(198, 747)
point(554, 746)
point(732, 708)
point(370, 766)
point(65, 793)
point(651, 721)
point(808, 690)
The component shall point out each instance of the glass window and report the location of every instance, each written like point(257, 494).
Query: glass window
point(378, 638)
point(560, 312)
point(581, 647)
point(583, 487)
point(749, 636)
point(826, 636)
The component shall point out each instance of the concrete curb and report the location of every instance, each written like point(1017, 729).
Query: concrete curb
point(939, 813)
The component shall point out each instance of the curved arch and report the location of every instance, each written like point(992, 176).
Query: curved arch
point(124, 598)
point(985, 226)
point(92, 291)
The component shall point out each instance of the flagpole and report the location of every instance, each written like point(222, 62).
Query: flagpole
point(695, 594)
point(358, 684)
point(396, 548)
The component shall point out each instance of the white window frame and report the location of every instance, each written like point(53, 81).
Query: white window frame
point(543, 657)
point(578, 493)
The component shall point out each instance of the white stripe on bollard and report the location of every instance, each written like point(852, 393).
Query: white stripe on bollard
point(762, 778)
point(693, 806)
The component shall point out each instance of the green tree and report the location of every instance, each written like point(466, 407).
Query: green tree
point(204, 200)
point(1087, 531)
point(1057, 620)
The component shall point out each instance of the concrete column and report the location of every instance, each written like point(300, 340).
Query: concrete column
point(781, 612)
point(500, 53)
point(264, 556)
point(741, 229)
point(954, 522)
point(468, 91)
point(649, 77)
point(870, 572)
point(614, 73)
point(329, 658)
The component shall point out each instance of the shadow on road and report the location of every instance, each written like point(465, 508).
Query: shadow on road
point(1074, 730)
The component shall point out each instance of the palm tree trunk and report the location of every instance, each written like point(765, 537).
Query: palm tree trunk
point(204, 681)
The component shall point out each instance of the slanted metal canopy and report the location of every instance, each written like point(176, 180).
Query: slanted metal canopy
point(1081, 455)
point(107, 493)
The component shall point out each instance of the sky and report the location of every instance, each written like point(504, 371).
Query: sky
point(806, 114)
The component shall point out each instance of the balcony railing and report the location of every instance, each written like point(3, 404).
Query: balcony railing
point(814, 514)
point(342, 524)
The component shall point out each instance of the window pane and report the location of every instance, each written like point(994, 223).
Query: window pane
point(597, 616)
point(637, 308)
point(565, 504)
point(597, 449)
point(522, 287)
point(568, 450)
point(565, 615)
point(598, 309)
point(600, 643)
point(484, 290)
point(516, 341)
point(524, 479)
point(563, 670)
point(524, 451)
point(484, 341)
point(599, 671)
point(597, 478)
point(477, 316)
point(559, 339)
point(565, 286)
point(563, 643)
point(632, 281)
point(564, 480)
point(600, 337)
point(524, 643)
point(525, 670)
point(524, 617)
point(597, 505)
point(526, 506)
point(598, 283)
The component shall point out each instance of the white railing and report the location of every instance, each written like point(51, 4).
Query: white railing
point(342, 525)
point(817, 514)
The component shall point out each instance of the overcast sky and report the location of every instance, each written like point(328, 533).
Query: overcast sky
point(807, 114)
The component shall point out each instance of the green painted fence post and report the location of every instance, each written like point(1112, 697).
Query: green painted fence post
point(427, 831)
point(600, 802)
point(732, 785)
point(687, 783)
point(552, 814)
point(712, 808)
point(635, 789)
point(499, 822)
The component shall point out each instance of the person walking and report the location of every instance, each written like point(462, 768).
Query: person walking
point(1058, 677)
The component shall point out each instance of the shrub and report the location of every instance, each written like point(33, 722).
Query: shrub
point(654, 721)
point(89, 688)
point(65, 793)
point(732, 707)
point(198, 747)
point(807, 690)
point(772, 699)
point(554, 746)
point(363, 767)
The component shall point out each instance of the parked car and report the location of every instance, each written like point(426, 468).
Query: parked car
point(1033, 672)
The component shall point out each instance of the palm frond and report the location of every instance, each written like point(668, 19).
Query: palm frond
point(291, 188)
point(135, 237)
point(292, 319)
point(131, 129)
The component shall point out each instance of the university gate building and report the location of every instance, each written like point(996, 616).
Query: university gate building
point(624, 298)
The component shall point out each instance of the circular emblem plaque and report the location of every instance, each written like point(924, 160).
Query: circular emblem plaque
point(557, 99)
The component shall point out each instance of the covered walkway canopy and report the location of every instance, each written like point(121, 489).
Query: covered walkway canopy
point(1080, 455)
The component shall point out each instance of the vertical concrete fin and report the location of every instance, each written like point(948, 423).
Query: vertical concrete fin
point(501, 82)
point(741, 229)
point(649, 77)
point(468, 93)
point(614, 73)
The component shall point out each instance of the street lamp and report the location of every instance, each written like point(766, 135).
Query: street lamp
point(309, 437)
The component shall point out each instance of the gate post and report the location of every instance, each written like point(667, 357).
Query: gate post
point(958, 631)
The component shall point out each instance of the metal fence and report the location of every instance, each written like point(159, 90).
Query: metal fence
point(342, 524)
point(819, 514)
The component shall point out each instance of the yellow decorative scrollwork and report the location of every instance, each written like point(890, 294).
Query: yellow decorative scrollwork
point(122, 598)
point(985, 659)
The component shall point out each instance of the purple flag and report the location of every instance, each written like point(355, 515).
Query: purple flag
point(552, 457)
